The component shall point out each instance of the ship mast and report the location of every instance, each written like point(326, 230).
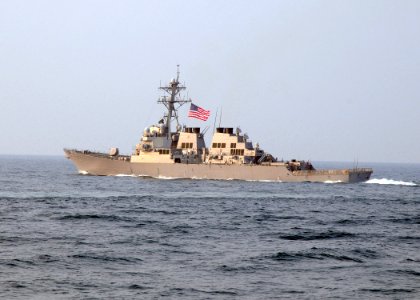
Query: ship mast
point(173, 90)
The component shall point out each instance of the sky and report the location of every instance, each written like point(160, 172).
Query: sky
point(319, 80)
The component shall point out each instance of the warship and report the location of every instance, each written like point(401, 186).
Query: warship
point(181, 152)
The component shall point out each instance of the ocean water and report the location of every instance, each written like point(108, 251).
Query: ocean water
point(64, 235)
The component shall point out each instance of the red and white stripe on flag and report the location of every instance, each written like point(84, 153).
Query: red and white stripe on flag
point(198, 113)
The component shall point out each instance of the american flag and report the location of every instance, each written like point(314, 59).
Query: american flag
point(198, 113)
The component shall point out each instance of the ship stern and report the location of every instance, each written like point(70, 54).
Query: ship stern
point(359, 175)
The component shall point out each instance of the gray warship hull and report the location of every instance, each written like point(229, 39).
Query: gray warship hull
point(102, 164)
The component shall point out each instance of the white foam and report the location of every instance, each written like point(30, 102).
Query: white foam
point(390, 182)
point(167, 177)
point(83, 172)
point(333, 181)
point(143, 175)
point(262, 180)
point(198, 178)
point(125, 175)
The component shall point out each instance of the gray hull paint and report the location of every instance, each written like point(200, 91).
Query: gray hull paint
point(106, 166)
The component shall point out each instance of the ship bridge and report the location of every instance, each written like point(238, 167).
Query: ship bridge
point(230, 147)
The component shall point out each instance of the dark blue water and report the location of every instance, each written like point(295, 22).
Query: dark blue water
point(64, 235)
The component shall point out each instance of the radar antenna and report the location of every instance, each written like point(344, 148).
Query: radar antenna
point(172, 99)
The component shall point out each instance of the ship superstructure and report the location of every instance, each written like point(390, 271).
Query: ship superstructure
point(179, 151)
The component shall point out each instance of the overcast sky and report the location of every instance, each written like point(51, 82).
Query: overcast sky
point(320, 80)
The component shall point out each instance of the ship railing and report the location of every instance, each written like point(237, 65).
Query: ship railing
point(101, 154)
point(362, 170)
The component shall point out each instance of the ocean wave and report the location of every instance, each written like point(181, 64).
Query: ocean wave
point(29, 261)
point(406, 272)
point(101, 197)
point(315, 253)
point(311, 235)
point(387, 291)
point(94, 216)
point(407, 220)
point(366, 253)
point(272, 217)
point(138, 287)
point(106, 258)
point(192, 291)
point(390, 182)
point(354, 221)
point(240, 268)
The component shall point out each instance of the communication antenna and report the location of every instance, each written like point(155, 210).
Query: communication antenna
point(215, 118)
point(177, 73)
point(355, 162)
point(205, 130)
point(221, 112)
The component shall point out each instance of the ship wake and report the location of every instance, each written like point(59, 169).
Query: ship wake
point(386, 181)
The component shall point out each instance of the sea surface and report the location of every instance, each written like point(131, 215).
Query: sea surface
point(64, 235)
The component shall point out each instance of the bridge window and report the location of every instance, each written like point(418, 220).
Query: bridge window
point(237, 151)
point(219, 145)
point(186, 145)
point(163, 151)
point(232, 145)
